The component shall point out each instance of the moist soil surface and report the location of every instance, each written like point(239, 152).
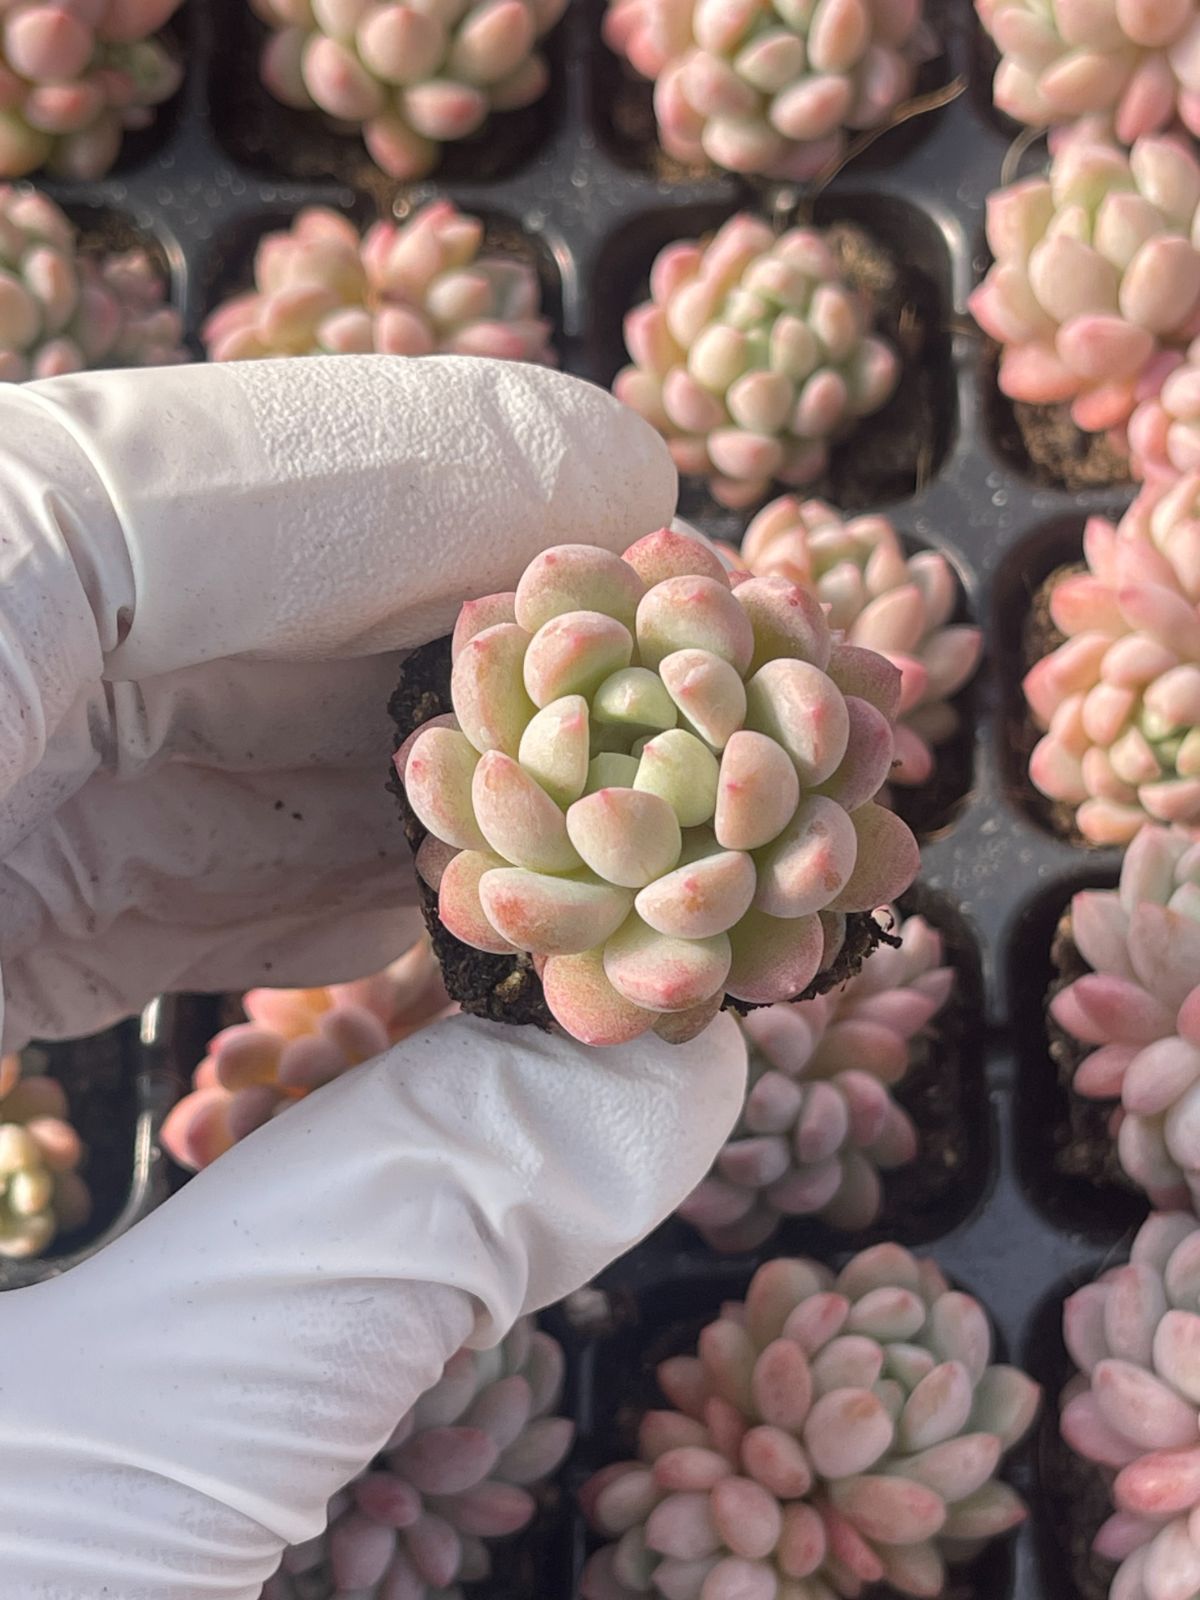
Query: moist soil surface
point(1046, 444)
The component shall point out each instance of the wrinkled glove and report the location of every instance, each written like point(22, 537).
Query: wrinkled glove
point(205, 577)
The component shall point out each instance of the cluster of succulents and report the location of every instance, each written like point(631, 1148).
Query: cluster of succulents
point(830, 1433)
point(773, 88)
point(1139, 1009)
point(1120, 698)
point(460, 1472)
point(880, 599)
point(74, 76)
point(1134, 1334)
point(658, 785)
point(752, 356)
point(413, 77)
point(41, 1191)
point(414, 288)
point(63, 311)
point(819, 1123)
point(294, 1041)
point(1134, 63)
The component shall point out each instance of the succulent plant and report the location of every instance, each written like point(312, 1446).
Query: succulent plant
point(770, 88)
point(415, 288)
point(819, 1123)
point(751, 356)
point(831, 1432)
point(41, 1192)
point(294, 1041)
point(1164, 430)
point(1120, 698)
point(413, 77)
point(1134, 62)
point(1134, 1334)
point(877, 598)
point(1096, 274)
point(74, 75)
point(657, 785)
point(61, 311)
point(1139, 1009)
point(458, 1473)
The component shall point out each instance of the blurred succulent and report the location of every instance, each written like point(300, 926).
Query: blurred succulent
point(41, 1192)
point(819, 1123)
point(63, 312)
point(1134, 62)
point(458, 1473)
point(751, 356)
point(1096, 274)
point(830, 1434)
point(412, 76)
point(877, 598)
point(1120, 699)
point(415, 288)
point(658, 786)
point(1139, 1009)
point(74, 75)
point(296, 1040)
point(1135, 1334)
point(1164, 430)
point(770, 89)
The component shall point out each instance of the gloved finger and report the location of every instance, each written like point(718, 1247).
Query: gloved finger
point(284, 1309)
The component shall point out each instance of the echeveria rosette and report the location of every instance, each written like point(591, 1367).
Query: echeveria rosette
point(819, 1123)
point(877, 597)
point(420, 287)
point(830, 1433)
point(293, 1041)
point(1096, 275)
point(1135, 1336)
point(1120, 698)
point(1164, 430)
point(461, 1471)
point(411, 77)
point(41, 1191)
point(658, 786)
point(772, 89)
point(1139, 1009)
point(752, 356)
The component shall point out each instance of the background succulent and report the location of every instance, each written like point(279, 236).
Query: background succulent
point(416, 288)
point(1120, 699)
point(1139, 1008)
point(1136, 62)
point(294, 1041)
point(880, 599)
point(830, 1433)
point(751, 356)
point(1135, 1334)
point(458, 1473)
point(1164, 430)
point(62, 311)
point(413, 77)
point(1096, 274)
point(658, 786)
point(769, 88)
point(819, 1122)
point(41, 1191)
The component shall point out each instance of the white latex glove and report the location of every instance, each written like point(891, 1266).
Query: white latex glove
point(202, 571)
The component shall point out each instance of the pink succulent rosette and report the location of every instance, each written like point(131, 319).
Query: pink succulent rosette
point(773, 90)
point(459, 1473)
point(1134, 1334)
point(877, 597)
point(658, 786)
point(412, 78)
point(1164, 430)
point(294, 1041)
point(1096, 275)
point(752, 356)
point(1139, 1009)
point(819, 1124)
point(829, 1434)
point(415, 288)
point(41, 1191)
